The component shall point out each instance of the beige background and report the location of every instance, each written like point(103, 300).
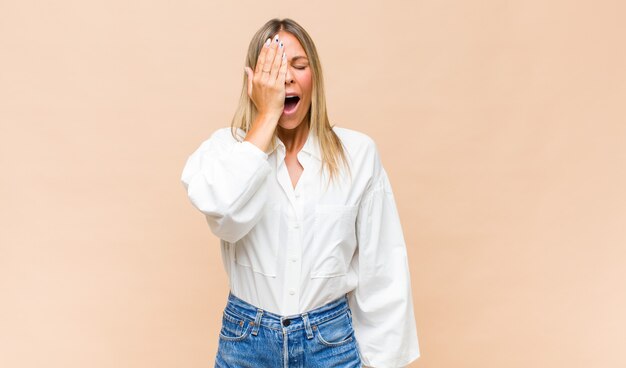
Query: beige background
point(500, 123)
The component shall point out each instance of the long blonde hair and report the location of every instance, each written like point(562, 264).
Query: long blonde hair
point(331, 147)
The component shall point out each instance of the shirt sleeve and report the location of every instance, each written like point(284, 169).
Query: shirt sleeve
point(382, 303)
point(226, 180)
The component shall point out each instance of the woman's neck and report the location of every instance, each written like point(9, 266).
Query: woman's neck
point(294, 139)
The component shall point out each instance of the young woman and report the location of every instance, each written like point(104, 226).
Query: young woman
point(309, 231)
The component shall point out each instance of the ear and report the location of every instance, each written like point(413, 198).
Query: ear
point(250, 74)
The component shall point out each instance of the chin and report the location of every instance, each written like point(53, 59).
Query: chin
point(289, 124)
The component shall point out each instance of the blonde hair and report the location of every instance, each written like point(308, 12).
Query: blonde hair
point(331, 147)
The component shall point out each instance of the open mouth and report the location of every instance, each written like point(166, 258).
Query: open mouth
point(291, 103)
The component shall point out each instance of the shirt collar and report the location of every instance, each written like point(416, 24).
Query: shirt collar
point(311, 146)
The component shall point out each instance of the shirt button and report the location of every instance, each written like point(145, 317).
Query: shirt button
point(294, 259)
point(295, 226)
point(297, 195)
point(291, 292)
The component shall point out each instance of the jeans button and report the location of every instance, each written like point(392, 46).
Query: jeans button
point(286, 322)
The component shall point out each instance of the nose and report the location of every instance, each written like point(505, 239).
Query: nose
point(288, 77)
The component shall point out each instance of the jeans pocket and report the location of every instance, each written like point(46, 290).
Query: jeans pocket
point(234, 328)
point(336, 331)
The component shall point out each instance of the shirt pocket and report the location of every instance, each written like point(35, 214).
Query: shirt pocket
point(258, 250)
point(334, 239)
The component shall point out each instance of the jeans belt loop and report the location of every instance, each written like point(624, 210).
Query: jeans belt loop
point(257, 321)
point(307, 326)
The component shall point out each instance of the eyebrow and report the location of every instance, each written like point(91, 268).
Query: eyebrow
point(299, 57)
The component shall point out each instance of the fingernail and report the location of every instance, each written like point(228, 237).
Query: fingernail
point(268, 41)
point(281, 44)
point(276, 38)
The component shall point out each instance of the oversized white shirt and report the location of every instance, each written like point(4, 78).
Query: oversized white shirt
point(289, 250)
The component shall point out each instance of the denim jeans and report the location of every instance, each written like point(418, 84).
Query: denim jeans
point(320, 338)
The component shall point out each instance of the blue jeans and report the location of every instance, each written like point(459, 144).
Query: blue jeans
point(320, 338)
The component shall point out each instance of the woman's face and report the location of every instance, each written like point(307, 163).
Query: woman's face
point(298, 81)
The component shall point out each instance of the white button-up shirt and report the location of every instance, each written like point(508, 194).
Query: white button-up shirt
point(289, 250)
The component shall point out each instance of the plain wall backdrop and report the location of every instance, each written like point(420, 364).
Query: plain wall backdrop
point(501, 125)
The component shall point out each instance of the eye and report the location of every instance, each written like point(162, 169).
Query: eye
point(300, 67)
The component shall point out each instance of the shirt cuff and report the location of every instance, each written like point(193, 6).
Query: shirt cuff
point(253, 149)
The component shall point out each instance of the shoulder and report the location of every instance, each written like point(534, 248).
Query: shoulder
point(226, 134)
point(221, 137)
point(369, 162)
point(356, 142)
point(360, 146)
point(363, 152)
